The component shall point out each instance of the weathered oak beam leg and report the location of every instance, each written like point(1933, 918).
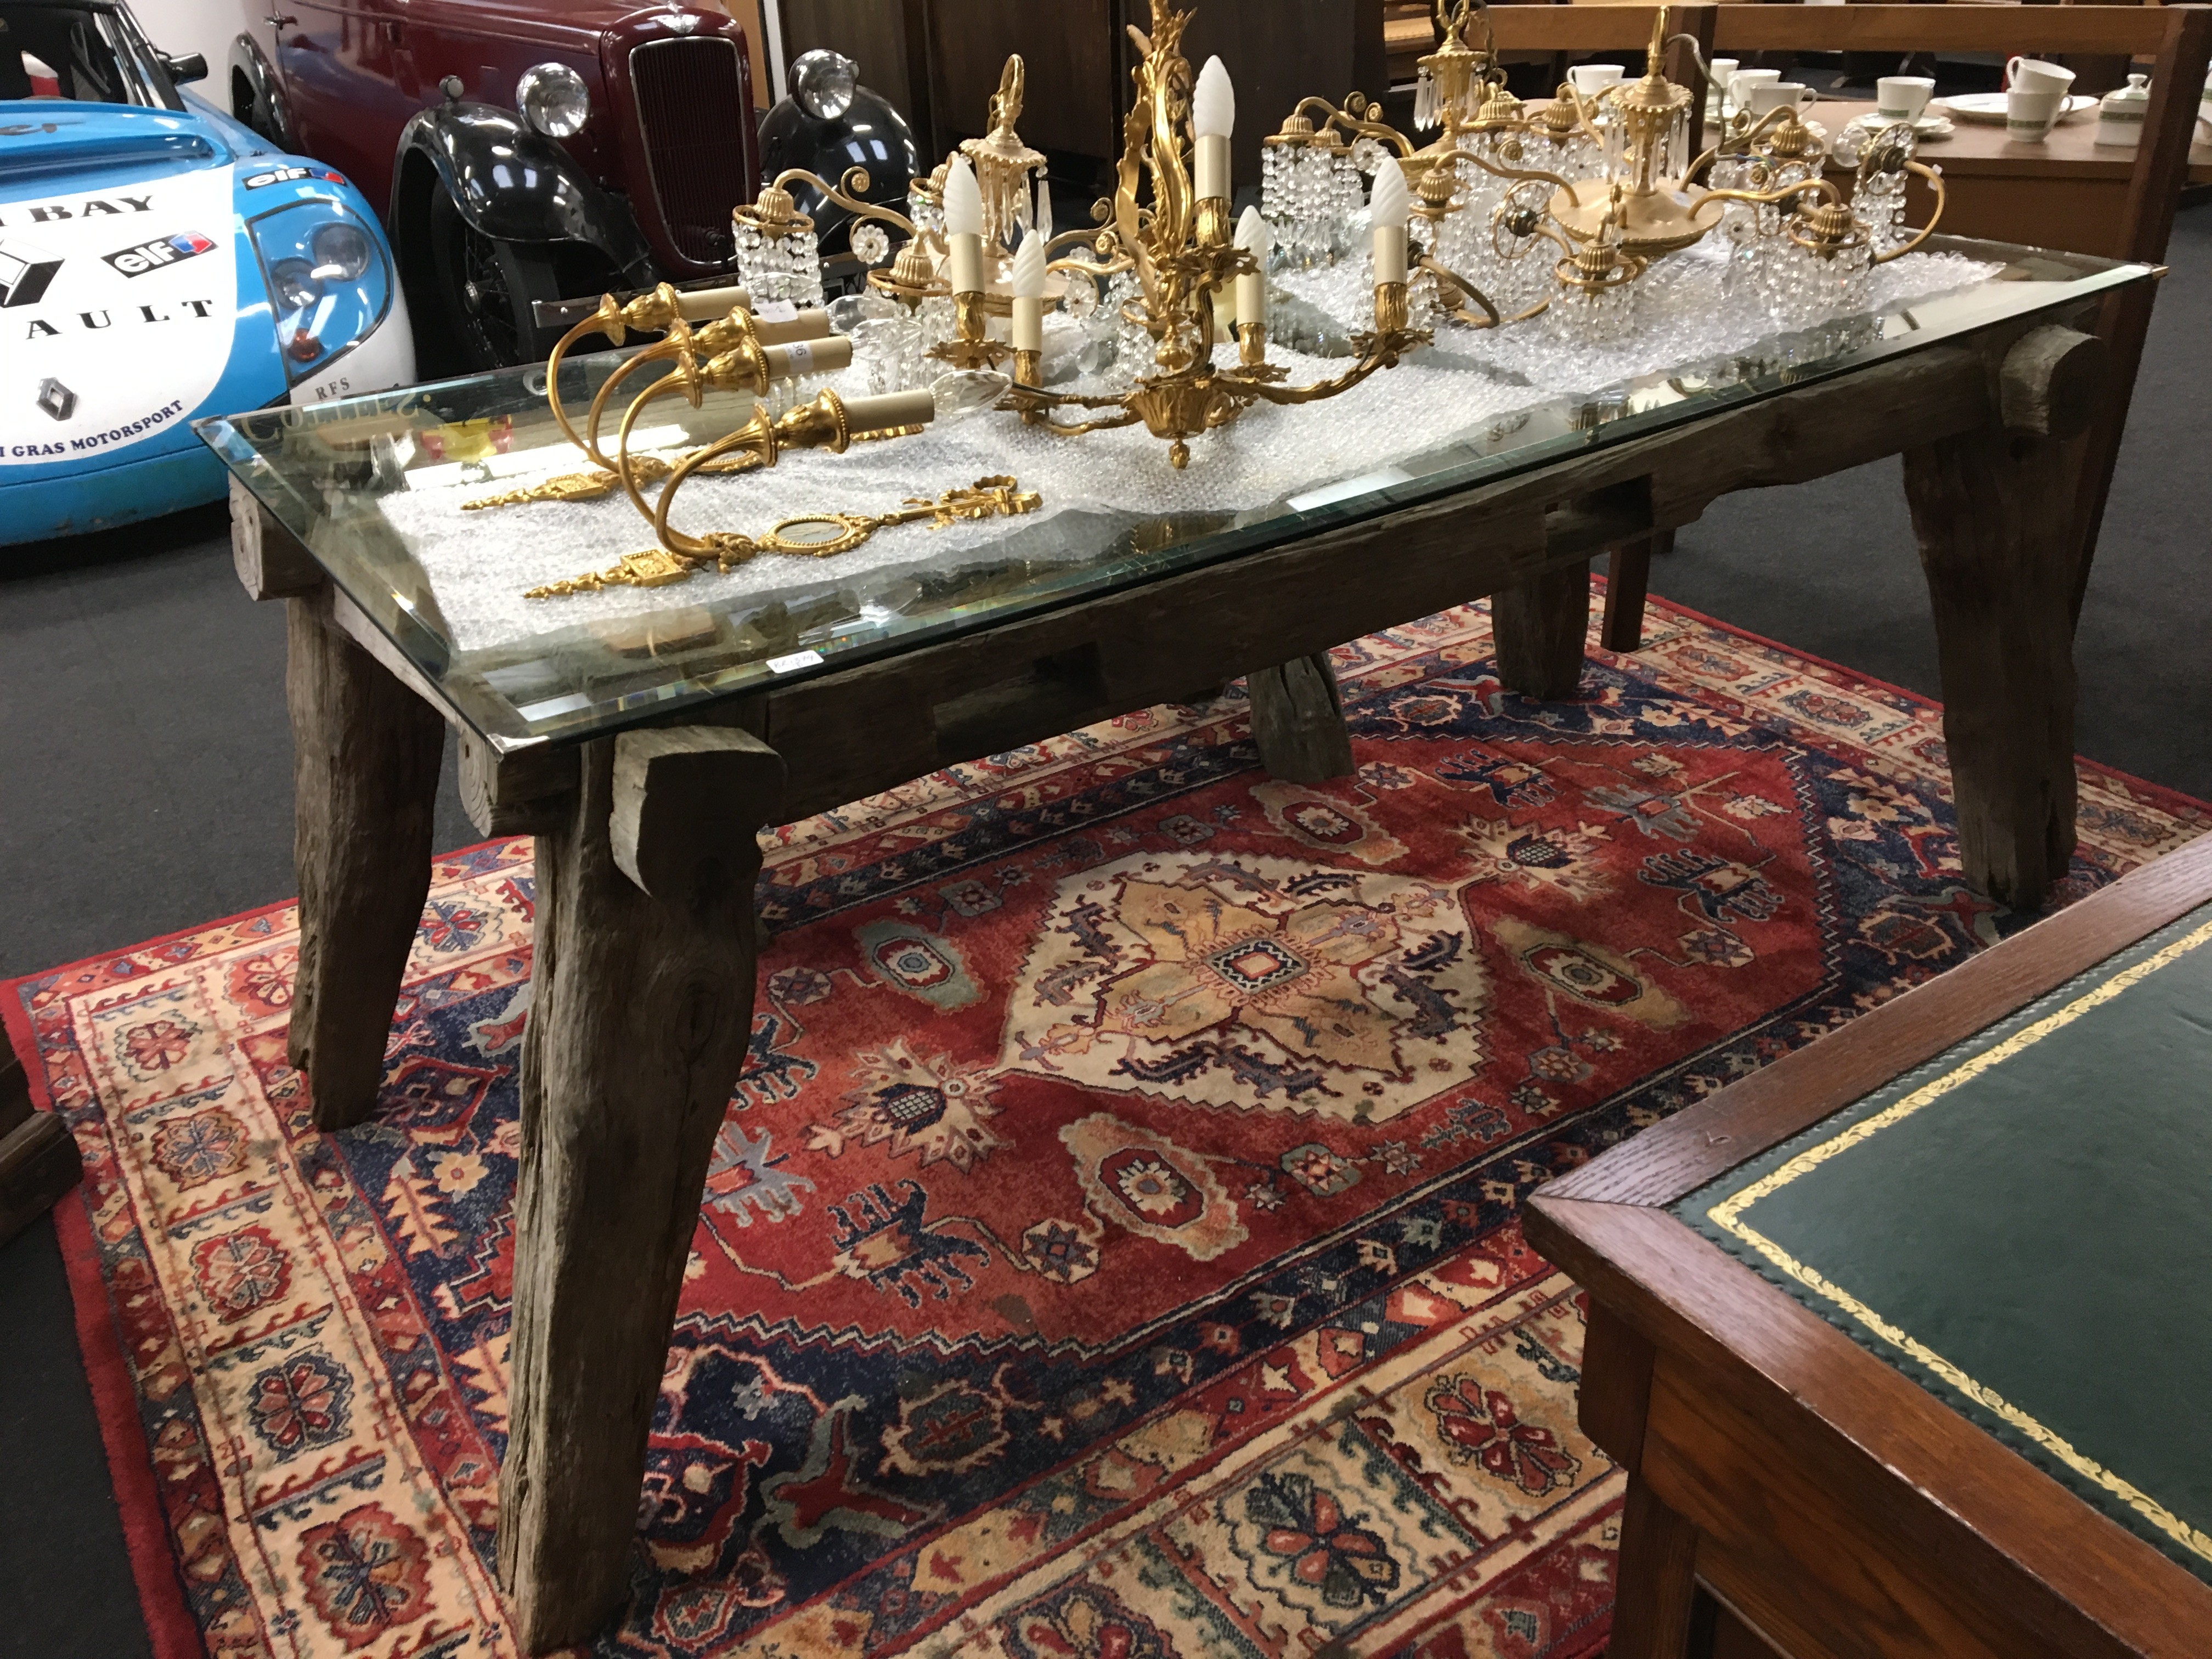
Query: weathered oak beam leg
point(1540, 624)
point(1994, 515)
point(1297, 720)
point(638, 1026)
point(365, 754)
point(1627, 583)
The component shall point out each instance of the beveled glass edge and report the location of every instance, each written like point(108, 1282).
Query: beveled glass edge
point(471, 700)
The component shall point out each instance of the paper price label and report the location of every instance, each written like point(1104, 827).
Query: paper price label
point(776, 311)
point(795, 660)
point(799, 354)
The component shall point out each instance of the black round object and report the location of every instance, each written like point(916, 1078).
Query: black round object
point(869, 133)
point(486, 290)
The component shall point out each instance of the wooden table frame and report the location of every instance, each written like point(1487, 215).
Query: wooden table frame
point(648, 855)
point(1815, 1492)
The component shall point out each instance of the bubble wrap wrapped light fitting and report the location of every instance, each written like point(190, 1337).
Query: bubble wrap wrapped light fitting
point(1094, 487)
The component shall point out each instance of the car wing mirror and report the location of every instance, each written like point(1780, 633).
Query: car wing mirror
point(185, 66)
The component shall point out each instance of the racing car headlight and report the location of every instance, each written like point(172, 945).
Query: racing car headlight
point(341, 251)
point(292, 284)
point(553, 98)
point(329, 280)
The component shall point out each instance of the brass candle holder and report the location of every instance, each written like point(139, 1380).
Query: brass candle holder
point(1180, 265)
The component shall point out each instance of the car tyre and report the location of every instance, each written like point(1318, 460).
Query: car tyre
point(486, 290)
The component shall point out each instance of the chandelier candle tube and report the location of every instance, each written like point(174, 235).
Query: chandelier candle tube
point(800, 358)
point(1388, 209)
point(1212, 121)
point(1028, 308)
point(700, 305)
point(1255, 236)
point(811, 323)
point(891, 408)
point(963, 226)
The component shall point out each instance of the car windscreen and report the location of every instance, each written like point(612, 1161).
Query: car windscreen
point(86, 53)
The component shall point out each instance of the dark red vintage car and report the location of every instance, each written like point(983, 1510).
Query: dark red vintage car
point(521, 149)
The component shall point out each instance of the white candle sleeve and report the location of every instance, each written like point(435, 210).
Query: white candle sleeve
point(1256, 237)
point(1028, 324)
point(965, 264)
point(811, 323)
point(1388, 208)
point(701, 304)
point(803, 357)
point(1389, 254)
point(1211, 173)
point(891, 408)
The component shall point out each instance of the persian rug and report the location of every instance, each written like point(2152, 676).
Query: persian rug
point(1111, 1251)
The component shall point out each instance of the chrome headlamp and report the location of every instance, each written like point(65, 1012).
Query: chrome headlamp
point(553, 100)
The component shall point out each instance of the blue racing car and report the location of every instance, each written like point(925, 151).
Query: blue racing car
point(159, 262)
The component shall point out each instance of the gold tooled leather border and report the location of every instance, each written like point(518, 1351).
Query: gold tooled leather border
point(1728, 1214)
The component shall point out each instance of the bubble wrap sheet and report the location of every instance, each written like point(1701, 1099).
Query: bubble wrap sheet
point(1094, 487)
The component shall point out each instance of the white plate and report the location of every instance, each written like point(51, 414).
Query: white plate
point(1928, 126)
point(1990, 106)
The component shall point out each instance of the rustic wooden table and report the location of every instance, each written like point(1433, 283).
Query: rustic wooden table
point(1785, 1477)
point(646, 803)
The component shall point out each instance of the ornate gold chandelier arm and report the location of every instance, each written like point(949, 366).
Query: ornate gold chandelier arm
point(1445, 274)
point(849, 193)
point(1373, 358)
point(820, 424)
point(1534, 175)
point(1359, 124)
point(1738, 143)
point(1934, 177)
point(751, 437)
point(673, 346)
point(1820, 187)
point(684, 379)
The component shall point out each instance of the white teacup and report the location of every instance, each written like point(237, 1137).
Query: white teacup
point(1591, 79)
point(2034, 75)
point(1903, 97)
point(2029, 116)
point(1741, 85)
point(1780, 94)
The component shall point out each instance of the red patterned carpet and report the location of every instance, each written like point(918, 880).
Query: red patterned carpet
point(1111, 1249)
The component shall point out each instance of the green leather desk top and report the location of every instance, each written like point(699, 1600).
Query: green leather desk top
point(2024, 1227)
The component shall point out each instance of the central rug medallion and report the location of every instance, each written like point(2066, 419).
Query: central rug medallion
point(1250, 982)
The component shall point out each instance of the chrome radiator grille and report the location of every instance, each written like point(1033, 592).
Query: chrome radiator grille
point(691, 108)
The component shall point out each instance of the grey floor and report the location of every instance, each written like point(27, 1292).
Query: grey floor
point(145, 787)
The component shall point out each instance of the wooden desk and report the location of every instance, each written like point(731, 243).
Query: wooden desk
point(2063, 192)
point(1802, 1479)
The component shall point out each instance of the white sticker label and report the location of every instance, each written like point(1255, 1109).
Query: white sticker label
point(796, 659)
point(776, 311)
point(799, 354)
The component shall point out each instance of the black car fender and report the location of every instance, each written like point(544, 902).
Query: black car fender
point(257, 96)
point(510, 183)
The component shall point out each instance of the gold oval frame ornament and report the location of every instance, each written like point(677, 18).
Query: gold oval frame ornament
point(848, 530)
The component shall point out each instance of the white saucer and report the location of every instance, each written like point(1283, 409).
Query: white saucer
point(1928, 127)
point(1990, 106)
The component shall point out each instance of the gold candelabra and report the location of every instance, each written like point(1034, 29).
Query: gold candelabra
point(1642, 200)
point(1178, 247)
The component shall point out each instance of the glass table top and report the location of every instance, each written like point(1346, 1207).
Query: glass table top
point(358, 482)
